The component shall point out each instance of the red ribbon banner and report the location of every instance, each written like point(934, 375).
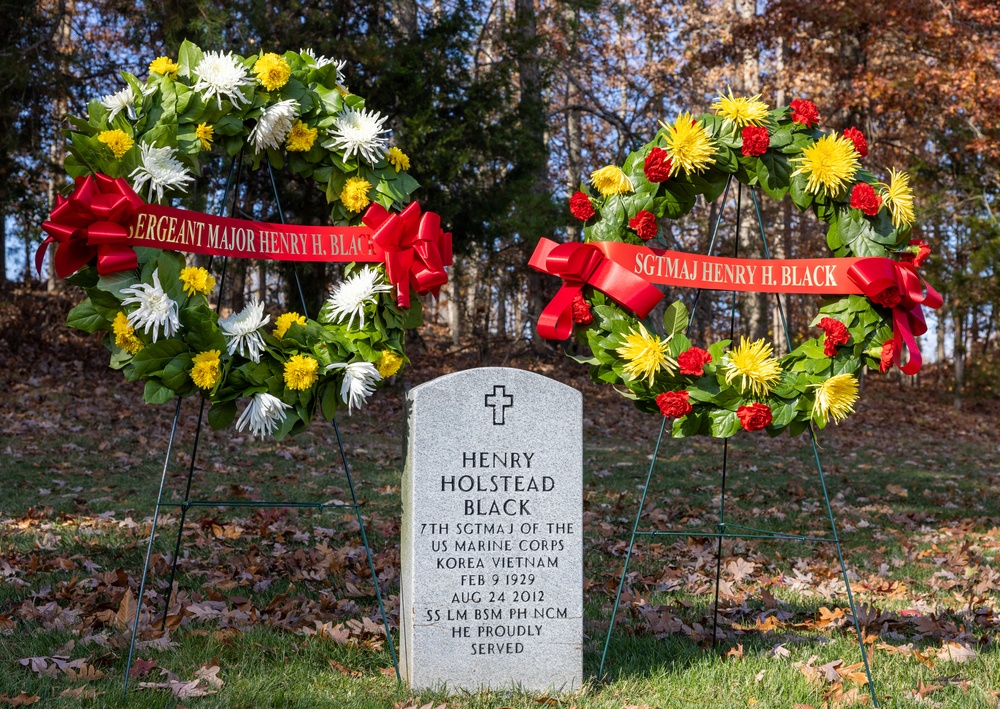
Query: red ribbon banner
point(104, 217)
point(580, 265)
point(896, 285)
point(625, 272)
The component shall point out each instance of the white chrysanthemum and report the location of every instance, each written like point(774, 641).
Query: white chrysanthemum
point(219, 75)
point(242, 330)
point(274, 125)
point(264, 415)
point(351, 295)
point(359, 131)
point(118, 102)
point(359, 382)
point(155, 310)
point(124, 100)
point(161, 169)
point(322, 61)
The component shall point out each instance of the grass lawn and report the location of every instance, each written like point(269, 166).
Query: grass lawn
point(275, 607)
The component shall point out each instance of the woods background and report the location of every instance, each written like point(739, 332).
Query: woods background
point(505, 107)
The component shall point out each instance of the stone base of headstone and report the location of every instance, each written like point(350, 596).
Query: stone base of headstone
point(491, 592)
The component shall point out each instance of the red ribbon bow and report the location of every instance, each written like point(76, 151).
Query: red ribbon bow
point(580, 265)
point(89, 223)
point(874, 276)
point(414, 248)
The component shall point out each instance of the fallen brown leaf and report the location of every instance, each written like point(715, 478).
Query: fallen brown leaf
point(21, 700)
point(347, 671)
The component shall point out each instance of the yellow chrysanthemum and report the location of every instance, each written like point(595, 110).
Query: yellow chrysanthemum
point(206, 371)
point(125, 334)
point(300, 372)
point(300, 138)
point(205, 133)
point(646, 355)
point(272, 71)
point(355, 194)
point(830, 163)
point(753, 364)
point(398, 159)
point(165, 66)
point(898, 196)
point(611, 180)
point(741, 111)
point(118, 140)
point(835, 398)
point(285, 321)
point(389, 364)
point(688, 145)
point(197, 280)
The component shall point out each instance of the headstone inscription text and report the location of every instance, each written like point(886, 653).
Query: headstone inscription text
point(492, 548)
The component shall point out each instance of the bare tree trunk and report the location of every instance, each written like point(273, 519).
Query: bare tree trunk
point(958, 355)
point(57, 153)
point(453, 291)
point(403, 17)
point(532, 112)
point(502, 296)
point(262, 281)
point(3, 250)
point(239, 299)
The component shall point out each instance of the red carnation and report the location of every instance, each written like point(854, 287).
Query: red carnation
point(657, 165)
point(580, 206)
point(674, 404)
point(754, 417)
point(863, 197)
point(581, 310)
point(644, 224)
point(692, 361)
point(836, 334)
point(888, 298)
point(858, 138)
point(885, 359)
point(804, 112)
point(923, 252)
point(756, 141)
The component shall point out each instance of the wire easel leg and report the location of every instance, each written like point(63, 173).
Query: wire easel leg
point(184, 510)
point(631, 545)
point(347, 468)
point(725, 443)
point(822, 480)
point(149, 546)
point(368, 553)
point(235, 169)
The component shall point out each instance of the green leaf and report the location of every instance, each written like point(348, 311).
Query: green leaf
point(114, 282)
point(774, 172)
point(85, 317)
point(725, 423)
point(675, 318)
point(151, 359)
point(188, 56)
point(800, 197)
point(221, 414)
point(156, 393)
point(175, 374)
point(329, 402)
point(86, 277)
point(106, 304)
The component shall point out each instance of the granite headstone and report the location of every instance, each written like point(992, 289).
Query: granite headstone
point(492, 539)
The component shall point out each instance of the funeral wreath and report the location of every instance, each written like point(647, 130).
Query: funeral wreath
point(138, 149)
point(729, 386)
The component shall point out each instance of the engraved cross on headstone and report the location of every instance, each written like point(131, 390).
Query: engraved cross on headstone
point(501, 401)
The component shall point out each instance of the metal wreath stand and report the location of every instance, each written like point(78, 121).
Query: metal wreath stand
point(722, 527)
point(235, 170)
